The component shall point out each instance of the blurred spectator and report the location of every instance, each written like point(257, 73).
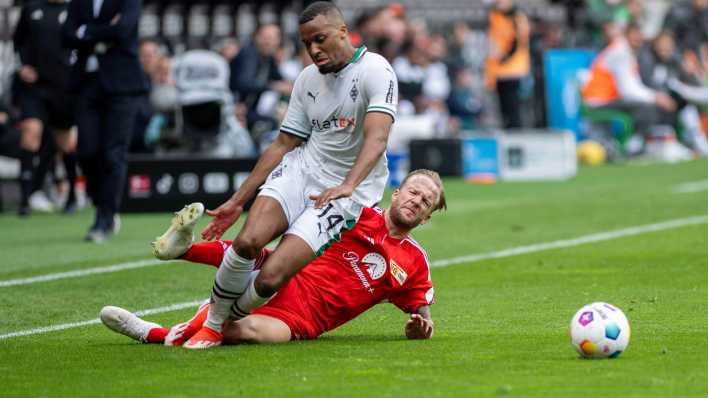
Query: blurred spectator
point(206, 106)
point(615, 83)
point(423, 84)
point(659, 65)
point(601, 11)
point(228, 48)
point(382, 30)
point(43, 101)
point(291, 66)
point(464, 102)
point(508, 59)
point(149, 54)
point(688, 20)
point(256, 80)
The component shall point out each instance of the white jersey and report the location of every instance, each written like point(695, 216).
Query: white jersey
point(328, 111)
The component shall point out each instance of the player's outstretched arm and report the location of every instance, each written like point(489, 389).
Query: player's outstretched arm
point(376, 128)
point(228, 213)
point(420, 326)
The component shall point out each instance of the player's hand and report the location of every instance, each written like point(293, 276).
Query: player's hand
point(224, 217)
point(341, 191)
point(28, 74)
point(419, 328)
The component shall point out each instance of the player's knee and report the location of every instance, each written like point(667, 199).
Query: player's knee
point(66, 141)
point(247, 245)
point(31, 135)
point(268, 282)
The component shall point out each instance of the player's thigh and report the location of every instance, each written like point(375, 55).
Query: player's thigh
point(256, 329)
point(291, 255)
point(266, 221)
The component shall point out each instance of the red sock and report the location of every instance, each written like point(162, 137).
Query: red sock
point(194, 324)
point(157, 335)
point(210, 253)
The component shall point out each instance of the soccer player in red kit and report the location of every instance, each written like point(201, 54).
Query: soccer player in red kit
point(375, 260)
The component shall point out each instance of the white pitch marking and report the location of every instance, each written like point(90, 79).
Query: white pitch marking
point(64, 326)
point(691, 187)
point(598, 237)
point(81, 273)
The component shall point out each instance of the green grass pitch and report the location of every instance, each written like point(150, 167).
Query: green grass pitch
point(501, 323)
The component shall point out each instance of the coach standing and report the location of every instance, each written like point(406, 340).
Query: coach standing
point(107, 77)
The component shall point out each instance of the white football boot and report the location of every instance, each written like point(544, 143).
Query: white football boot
point(179, 236)
point(125, 322)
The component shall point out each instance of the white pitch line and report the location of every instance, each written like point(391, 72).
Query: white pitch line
point(598, 237)
point(64, 326)
point(691, 187)
point(514, 251)
point(80, 273)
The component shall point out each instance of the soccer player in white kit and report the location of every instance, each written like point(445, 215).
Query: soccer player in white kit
point(325, 166)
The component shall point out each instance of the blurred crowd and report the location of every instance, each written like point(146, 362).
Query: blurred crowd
point(465, 77)
point(228, 99)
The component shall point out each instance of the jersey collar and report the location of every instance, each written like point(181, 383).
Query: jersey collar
point(358, 54)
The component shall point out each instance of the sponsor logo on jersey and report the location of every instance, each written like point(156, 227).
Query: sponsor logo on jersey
point(353, 260)
point(376, 265)
point(313, 96)
point(334, 122)
point(398, 273)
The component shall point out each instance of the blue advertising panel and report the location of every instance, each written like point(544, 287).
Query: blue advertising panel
point(480, 158)
point(561, 69)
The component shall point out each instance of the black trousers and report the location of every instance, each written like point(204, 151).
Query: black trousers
point(105, 123)
point(510, 102)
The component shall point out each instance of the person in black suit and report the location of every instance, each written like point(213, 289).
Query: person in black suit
point(108, 78)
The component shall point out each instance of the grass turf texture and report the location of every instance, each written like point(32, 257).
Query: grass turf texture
point(501, 324)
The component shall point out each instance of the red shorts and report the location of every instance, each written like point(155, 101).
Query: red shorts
point(291, 305)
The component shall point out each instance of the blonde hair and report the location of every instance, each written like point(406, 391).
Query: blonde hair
point(435, 177)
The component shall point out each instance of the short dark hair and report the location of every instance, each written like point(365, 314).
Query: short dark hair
point(318, 8)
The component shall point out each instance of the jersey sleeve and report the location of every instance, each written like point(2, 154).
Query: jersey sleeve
point(381, 88)
point(417, 290)
point(296, 122)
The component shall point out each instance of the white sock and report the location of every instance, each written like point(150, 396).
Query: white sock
point(249, 300)
point(230, 283)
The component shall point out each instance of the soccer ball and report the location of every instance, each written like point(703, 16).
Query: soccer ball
point(599, 330)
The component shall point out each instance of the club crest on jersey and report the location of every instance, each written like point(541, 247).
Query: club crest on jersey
point(354, 93)
point(398, 273)
point(376, 265)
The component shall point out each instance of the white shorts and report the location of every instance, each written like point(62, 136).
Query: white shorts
point(291, 184)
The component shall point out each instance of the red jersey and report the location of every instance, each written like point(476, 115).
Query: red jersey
point(365, 267)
